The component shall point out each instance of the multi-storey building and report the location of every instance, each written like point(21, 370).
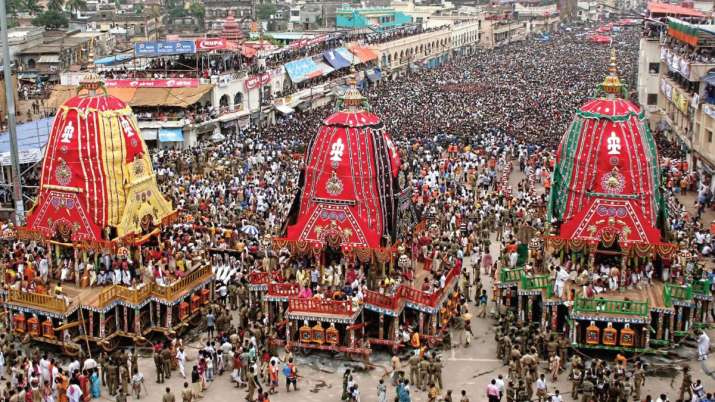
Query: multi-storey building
point(686, 91)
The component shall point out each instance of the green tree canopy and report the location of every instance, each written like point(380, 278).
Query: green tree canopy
point(56, 5)
point(265, 11)
point(51, 19)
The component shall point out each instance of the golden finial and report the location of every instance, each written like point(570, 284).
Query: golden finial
point(352, 99)
point(612, 84)
point(91, 81)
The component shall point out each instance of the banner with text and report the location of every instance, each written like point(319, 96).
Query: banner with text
point(151, 83)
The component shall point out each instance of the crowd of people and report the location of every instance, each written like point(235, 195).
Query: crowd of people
point(464, 131)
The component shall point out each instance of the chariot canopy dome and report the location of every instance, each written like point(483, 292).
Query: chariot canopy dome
point(97, 180)
point(606, 182)
point(348, 187)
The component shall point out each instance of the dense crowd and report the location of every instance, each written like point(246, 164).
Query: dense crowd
point(462, 129)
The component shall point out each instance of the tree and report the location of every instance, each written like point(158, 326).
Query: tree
point(198, 11)
point(56, 5)
point(265, 11)
point(177, 12)
point(32, 6)
point(156, 14)
point(76, 5)
point(51, 19)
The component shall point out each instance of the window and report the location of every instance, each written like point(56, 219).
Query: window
point(652, 99)
point(710, 136)
point(654, 68)
point(295, 13)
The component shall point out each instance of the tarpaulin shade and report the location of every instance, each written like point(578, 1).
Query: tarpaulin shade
point(364, 54)
point(335, 59)
point(31, 140)
point(124, 94)
point(285, 109)
point(176, 97)
point(347, 55)
point(324, 68)
point(185, 97)
point(150, 97)
point(302, 69)
point(171, 134)
point(116, 59)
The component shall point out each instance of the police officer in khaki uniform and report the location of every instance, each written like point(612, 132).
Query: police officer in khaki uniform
point(414, 362)
point(112, 377)
point(424, 374)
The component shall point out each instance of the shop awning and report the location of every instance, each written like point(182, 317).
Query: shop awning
point(302, 69)
point(335, 59)
point(364, 54)
point(175, 134)
point(185, 97)
point(285, 109)
point(150, 134)
point(150, 97)
point(347, 55)
point(176, 97)
point(124, 94)
point(324, 68)
point(49, 59)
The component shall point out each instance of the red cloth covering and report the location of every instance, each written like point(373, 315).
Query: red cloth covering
point(347, 196)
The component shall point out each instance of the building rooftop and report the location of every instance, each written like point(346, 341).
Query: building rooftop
point(673, 9)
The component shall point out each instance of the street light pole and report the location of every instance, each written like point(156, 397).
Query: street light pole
point(10, 98)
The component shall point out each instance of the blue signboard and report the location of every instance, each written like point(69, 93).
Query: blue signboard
point(164, 48)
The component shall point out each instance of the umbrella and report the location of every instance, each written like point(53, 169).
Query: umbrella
point(250, 230)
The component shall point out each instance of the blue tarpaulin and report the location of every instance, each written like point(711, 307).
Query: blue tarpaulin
point(31, 141)
point(374, 74)
point(709, 79)
point(174, 134)
point(335, 59)
point(116, 59)
point(347, 55)
point(302, 69)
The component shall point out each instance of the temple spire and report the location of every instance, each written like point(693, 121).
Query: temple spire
point(612, 85)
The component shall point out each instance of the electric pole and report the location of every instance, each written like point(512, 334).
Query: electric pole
point(9, 96)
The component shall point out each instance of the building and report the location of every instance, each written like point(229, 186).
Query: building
point(133, 25)
point(55, 54)
point(376, 18)
point(686, 97)
point(499, 30)
point(21, 38)
point(649, 56)
point(538, 19)
point(588, 10)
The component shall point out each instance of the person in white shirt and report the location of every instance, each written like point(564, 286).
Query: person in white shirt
point(181, 359)
point(74, 393)
point(556, 397)
point(500, 385)
point(541, 388)
point(73, 367)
